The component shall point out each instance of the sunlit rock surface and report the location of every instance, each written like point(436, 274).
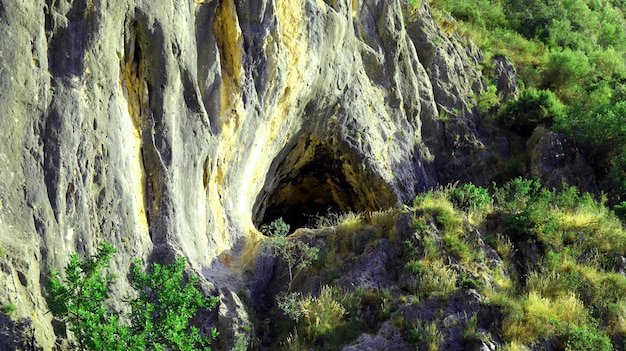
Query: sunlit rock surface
point(178, 127)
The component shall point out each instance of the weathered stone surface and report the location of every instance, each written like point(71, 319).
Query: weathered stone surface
point(387, 338)
point(506, 78)
point(451, 125)
point(170, 127)
point(233, 321)
point(554, 160)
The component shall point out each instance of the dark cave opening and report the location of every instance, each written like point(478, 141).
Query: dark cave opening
point(311, 179)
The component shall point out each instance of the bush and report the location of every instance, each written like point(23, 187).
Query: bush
point(533, 18)
point(159, 314)
point(432, 278)
point(565, 69)
point(583, 339)
point(488, 100)
point(532, 108)
point(515, 195)
point(602, 135)
point(277, 228)
point(471, 197)
point(322, 314)
point(297, 254)
point(620, 210)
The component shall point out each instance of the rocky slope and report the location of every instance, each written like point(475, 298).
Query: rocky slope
point(170, 127)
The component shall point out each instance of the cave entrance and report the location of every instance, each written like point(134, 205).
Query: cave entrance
point(312, 178)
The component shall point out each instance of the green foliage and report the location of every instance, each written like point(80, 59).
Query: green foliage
point(602, 133)
point(277, 228)
point(297, 254)
point(572, 48)
point(488, 100)
point(470, 330)
point(471, 283)
point(289, 304)
point(533, 18)
point(333, 318)
point(532, 108)
point(620, 210)
point(415, 336)
point(79, 301)
point(471, 197)
point(583, 339)
point(160, 313)
point(516, 194)
point(322, 314)
point(481, 13)
point(563, 70)
point(8, 308)
point(433, 336)
point(431, 278)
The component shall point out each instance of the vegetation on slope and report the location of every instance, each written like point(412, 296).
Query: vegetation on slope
point(570, 53)
point(160, 313)
point(547, 265)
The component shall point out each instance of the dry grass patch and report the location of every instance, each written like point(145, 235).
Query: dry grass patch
point(432, 277)
point(595, 227)
point(322, 314)
point(538, 317)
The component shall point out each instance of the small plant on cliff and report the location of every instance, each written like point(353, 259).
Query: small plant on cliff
point(159, 314)
point(297, 254)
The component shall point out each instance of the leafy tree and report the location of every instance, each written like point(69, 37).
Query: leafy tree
point(564, 70)
point(533, 107)
point(160, 313)
point(601, 133)
point(533, 18)
point(79, 301)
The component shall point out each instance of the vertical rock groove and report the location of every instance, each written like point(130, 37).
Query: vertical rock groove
point(175, 127)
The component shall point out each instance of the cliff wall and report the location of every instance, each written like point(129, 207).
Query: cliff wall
point(178, 127)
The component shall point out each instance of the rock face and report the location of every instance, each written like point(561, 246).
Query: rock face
point(554, 160)
point(176, 127)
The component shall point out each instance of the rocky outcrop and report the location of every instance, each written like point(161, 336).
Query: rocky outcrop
point(178, 126)
point(506, 78)
point(554, 160)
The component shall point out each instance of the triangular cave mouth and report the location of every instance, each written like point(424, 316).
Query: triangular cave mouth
point(312, 177)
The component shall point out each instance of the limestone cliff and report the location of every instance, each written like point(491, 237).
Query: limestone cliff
point(170, 127)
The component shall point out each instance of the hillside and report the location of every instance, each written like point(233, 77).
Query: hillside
point(460, 269)
point(202, 129)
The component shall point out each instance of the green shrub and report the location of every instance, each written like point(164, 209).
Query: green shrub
point(533, 18)
point(488, 100)
point(166, 303)
point(79, 301)
point(323, 314)
point(159, 314)
point(601, 134)
point(277, 228)
point(8, 308)
point(471, 197)
point(432, 278)
point(532, 108)
point(515, 195)
point(565, 69)
point(583, 339)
